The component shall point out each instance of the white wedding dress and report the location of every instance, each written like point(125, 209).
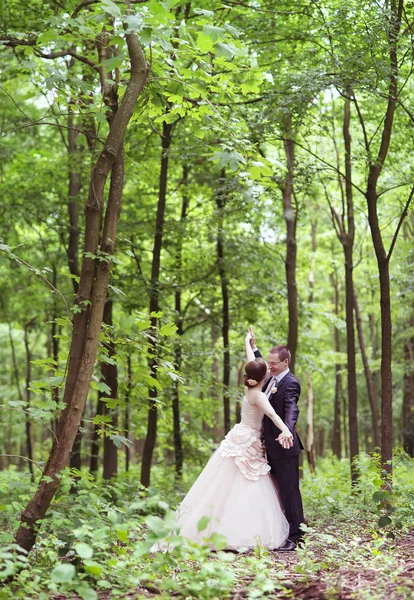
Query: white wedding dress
point(236, 491)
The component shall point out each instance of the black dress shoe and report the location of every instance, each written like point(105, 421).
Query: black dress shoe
point(288, 546)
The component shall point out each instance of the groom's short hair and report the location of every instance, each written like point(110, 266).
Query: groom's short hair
point(283, 351)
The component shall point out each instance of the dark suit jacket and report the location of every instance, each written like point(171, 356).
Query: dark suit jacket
point(285, 403)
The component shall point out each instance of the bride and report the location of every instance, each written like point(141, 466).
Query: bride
point(235, 490)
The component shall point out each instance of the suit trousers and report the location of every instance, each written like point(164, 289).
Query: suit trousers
point(286, 475)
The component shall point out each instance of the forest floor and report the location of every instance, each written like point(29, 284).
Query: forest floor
point(336, 567)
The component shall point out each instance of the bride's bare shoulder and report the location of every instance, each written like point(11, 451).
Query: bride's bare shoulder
point(254, 397)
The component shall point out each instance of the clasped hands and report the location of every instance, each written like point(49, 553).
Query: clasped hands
point(285, 440)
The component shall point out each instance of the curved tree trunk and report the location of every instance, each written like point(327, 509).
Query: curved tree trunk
point(93, 287)
point(151, 436)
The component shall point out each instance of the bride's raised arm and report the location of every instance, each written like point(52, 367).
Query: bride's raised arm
point(249, 352)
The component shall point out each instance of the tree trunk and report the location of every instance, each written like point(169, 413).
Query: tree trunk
point(380, 253)
point(178, 449)
point(151, 436)
point(29, 427)
point(310, 435)
point(348, 246)
point(94, 459)
point(368, 376)
point(21, 399)
point(225, 328)
point(91, 295)
point(336, 430)
point(291, 247)
point(109, 374)
point(72, 248)
point(408, 396)
point(310, 430)
point(126, 414)
point(215, 367)
point(55, 346)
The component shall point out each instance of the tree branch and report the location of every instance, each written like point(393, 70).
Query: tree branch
point(400, 222)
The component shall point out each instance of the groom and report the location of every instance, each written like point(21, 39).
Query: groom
point(283, 391)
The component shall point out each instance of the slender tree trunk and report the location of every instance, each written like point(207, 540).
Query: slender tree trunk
point(310, 431)
point(29, 427)
point(225, 328)
point(395, 10)
point(92, 289)
point(178, 449)
point(109, 374)
point(94, 459)
point(240, 373)
point(368, 376)
point(336, 433)
point(21, 399)
point(215, 367)
point(72, 248)
point(376, 376)
point(310, 436)
point(348, 246)
point(291, 247)
point(151, 436)
point(126, 414)
point(408, 396)
point(55, 346)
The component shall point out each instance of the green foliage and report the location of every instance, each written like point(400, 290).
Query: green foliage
point(104, 538)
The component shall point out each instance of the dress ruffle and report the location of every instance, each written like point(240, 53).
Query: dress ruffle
point(243, 443)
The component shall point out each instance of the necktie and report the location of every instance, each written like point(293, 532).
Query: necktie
point(272, 384)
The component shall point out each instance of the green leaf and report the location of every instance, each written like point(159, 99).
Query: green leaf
point(83, 550)
point(87, 593)
point(48, 36)
point(63, 573)
point(384, 521)
point(215, 33)
point(97, 419)
point(203, 522)
point(120, 440)
point(229, 50)
point(168, 329)
point(101, 386)
point(204, 43)
point(133, 22)
point(122, 535)
point(157, 526)
point(378, 496)
point(111, 8)
point(92, 567)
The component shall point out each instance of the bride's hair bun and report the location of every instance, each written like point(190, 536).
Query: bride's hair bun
point(255, 370)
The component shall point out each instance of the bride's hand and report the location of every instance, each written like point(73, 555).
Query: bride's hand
point(285, 439)
point(250, 337)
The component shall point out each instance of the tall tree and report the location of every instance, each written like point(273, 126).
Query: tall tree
point(91, 295)
point(221, 196)
point(154, 305)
